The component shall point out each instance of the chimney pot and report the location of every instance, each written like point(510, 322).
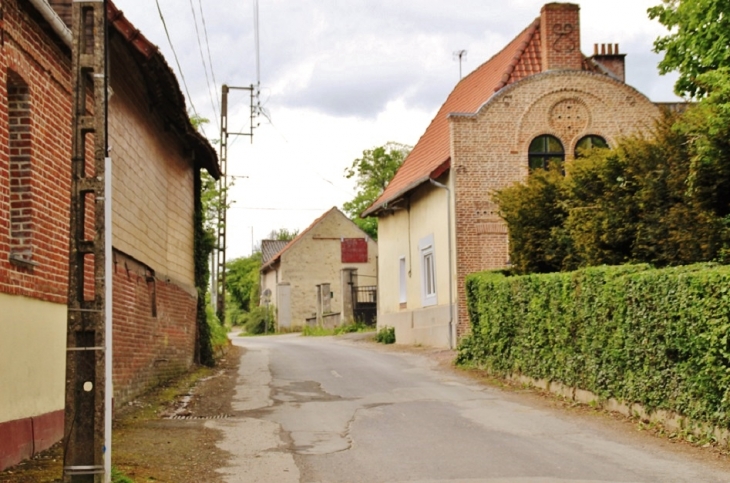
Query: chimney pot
point(615, 49)
point(610, 49)
point(603, 49)
point(595, 49)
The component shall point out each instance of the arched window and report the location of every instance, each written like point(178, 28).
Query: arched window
point(543, 150)
point(589, 142)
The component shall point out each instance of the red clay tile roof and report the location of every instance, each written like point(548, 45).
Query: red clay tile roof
point(430, 157)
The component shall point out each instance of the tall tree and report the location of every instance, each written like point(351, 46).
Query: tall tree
point(282, 234)
point(242, 280)
point(698, 42)
point(372, 172)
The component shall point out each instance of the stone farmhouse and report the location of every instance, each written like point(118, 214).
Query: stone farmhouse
point(157, 158)
point(537, 99)
point(316, 274)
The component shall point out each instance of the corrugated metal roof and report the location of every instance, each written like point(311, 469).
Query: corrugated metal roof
point(269, 248)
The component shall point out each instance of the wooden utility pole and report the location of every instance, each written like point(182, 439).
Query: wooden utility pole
point(88, 358)
point(219, 273)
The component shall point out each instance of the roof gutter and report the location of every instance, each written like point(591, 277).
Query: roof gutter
point(437, 172)
point(54, 20)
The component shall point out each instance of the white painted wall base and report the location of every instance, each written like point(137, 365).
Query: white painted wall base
point(429, 326)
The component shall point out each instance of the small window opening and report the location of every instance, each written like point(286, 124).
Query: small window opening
point(589, 142)
point(544, 150)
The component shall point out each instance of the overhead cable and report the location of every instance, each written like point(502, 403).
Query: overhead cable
point(182, 76)
point(210, 57)
point(205, 68)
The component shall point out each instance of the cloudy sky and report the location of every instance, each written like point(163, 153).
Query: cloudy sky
point(341, 76)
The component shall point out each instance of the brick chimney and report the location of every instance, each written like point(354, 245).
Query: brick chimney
point(610, 60)
point(560, 36)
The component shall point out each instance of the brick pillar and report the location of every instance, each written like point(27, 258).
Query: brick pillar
point(560, 36)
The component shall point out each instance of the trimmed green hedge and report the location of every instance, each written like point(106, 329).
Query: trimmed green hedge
point(640, 335)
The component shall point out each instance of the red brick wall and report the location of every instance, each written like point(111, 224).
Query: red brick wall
point(147, 348)
point(154, 328)
point(27, 57)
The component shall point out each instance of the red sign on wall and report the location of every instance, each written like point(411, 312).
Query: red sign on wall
point(354, 250)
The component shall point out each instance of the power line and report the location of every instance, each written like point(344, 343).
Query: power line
point(210, 57)
point(182, 76)
point(202, 58)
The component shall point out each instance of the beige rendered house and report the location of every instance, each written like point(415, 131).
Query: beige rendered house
point(536, 99)
point(314, 276)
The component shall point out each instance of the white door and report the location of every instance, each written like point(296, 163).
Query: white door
point(283, 304)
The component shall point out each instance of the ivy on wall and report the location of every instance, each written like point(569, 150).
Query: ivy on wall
point(203, 246)
point(641, 335)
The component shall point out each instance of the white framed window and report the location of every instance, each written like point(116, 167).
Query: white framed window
point(403, 281)
point(428, 271)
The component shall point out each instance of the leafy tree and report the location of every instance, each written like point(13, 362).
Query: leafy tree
point(700, 33)
point(707, 129)
point(282, 234)
point(242, 281)
point(534, 212)
point(372, 172)
point(659, 200)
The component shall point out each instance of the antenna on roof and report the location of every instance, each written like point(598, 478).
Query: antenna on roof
point(461, 55)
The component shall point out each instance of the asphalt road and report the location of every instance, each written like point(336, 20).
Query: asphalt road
point(326, 410)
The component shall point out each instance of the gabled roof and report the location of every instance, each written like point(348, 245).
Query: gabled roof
point(269, 248)
point(431, 156)
point(275, 259)
point(296, 240)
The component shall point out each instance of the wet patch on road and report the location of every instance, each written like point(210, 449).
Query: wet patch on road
point(303, 392)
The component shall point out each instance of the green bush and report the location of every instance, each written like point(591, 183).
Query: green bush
point(218, 332)
point(316, 331)
point(386, 335)
point(260, 320)
point(658, 199)
point(655, 337)
point(356, 326)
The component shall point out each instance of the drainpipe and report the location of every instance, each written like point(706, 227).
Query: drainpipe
point(451, 268)
point(52, 18)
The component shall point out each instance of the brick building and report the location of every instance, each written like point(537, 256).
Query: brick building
point(157, 156)
point(538, 98)
point(312, 275)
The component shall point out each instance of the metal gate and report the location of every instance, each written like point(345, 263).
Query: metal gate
point(365, 303)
